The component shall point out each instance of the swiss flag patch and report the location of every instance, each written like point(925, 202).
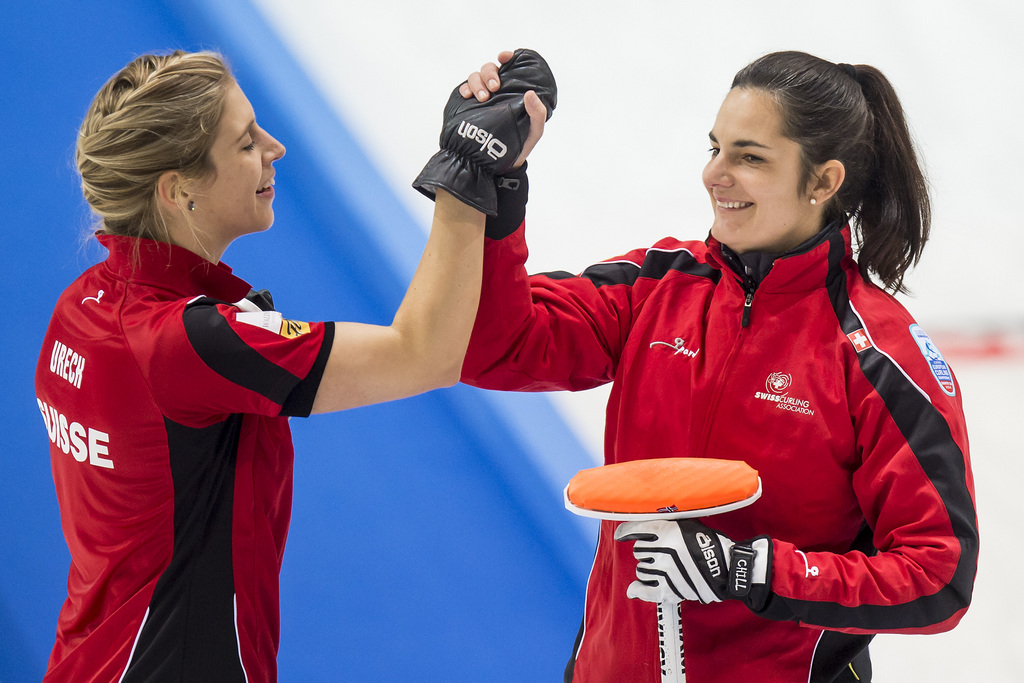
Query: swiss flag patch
point(860, 340)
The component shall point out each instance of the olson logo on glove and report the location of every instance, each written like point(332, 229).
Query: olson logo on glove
point(708, 550)
point(495, 147)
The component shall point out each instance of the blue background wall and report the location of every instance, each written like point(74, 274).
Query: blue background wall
point(428, 540)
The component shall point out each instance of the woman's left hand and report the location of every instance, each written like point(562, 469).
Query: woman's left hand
point(685, 560)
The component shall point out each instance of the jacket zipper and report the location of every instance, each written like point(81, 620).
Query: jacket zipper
point(749, 286)
point(717, 396)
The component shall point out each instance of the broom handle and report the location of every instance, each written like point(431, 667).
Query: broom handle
point(670, 639)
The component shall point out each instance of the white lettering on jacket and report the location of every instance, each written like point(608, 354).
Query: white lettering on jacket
point(67, 364)
point(83, 443)
point(680, 346)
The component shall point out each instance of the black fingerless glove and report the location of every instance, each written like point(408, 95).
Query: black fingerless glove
point(482, 140)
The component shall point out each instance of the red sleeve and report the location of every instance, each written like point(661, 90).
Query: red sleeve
point(206, 359)
point(548, 331)
point(914, 486)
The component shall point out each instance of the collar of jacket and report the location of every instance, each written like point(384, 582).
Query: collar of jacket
point(171, 267)
point(810, 265)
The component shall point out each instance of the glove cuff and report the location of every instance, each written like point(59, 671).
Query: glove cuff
point(750, 566)
point(456, 175)
point(512, 189)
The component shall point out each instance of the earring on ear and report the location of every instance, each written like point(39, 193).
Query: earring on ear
point(813, 200)
point(192, 205)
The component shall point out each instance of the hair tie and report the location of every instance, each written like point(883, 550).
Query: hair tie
point(850, 70)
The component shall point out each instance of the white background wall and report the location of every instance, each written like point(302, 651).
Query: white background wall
point(619, 167)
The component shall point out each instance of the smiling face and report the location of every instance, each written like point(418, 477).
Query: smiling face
point(755, 179)
point(237, 199)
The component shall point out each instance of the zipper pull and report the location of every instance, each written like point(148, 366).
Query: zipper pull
point(749, 286)
point(747, 303)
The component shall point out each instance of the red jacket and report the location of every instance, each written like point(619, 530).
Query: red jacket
point(819, 380)
point(172, 460)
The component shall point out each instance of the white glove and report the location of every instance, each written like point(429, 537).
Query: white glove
point(685, 560)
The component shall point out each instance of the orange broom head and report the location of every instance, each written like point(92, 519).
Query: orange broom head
point(660, 485)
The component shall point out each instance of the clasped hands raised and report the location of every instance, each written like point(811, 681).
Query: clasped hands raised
point(491, 123)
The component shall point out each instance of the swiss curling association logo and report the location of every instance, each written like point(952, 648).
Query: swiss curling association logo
point(777, 391)
point(778, 382)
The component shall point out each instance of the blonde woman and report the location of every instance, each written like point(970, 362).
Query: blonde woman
point(165, 382)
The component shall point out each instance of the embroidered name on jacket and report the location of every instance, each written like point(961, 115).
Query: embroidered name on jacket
point(67, 364)
point(680, 346)
point(776, 391)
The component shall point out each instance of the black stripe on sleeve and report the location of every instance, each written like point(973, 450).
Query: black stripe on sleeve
point(929, 437)
point(602, 274)
point(614, 273)
point(657, 263)
point(228, 355)
point(300, 401)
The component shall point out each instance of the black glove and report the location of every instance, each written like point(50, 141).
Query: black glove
point(513, 191)
point(685, 560)
point(480, 140)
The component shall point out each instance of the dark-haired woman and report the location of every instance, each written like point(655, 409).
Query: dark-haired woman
point(766, 342)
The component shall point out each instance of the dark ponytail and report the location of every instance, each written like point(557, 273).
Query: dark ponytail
point(895, 211)
point(853, 115)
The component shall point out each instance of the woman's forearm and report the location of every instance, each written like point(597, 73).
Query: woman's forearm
point(425, 344)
